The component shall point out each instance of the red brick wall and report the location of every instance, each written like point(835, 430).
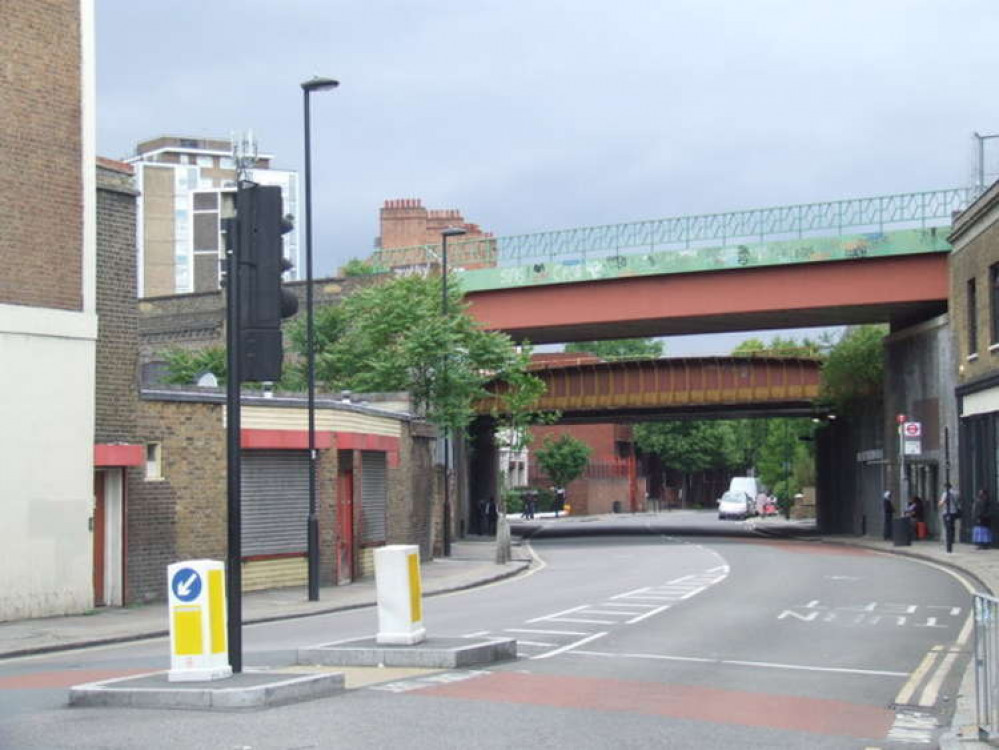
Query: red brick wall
point(41, 187)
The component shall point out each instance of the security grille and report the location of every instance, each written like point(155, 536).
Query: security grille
point(374, 496)
point(275, 508)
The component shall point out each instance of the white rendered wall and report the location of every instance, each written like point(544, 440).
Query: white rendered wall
point(46, 485)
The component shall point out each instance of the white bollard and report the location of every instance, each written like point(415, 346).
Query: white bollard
point(400, 596)
point(198, 644)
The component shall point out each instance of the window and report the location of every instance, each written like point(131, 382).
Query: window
point(154, 461)
point(994, 302)
point(972, 326)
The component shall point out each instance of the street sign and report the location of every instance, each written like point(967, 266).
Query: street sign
point(912, 429)
point(186, 584)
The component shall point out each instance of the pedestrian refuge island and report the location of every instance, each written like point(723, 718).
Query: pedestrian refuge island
point(401, 639)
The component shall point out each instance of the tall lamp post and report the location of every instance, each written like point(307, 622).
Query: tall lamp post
point(315, 84)
point(445, 233)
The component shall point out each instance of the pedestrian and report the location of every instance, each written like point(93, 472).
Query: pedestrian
point(532, 503)
point(915, 511)
point(491, 516)
point(981, 513)
point(888, 511)
point(950, 511)
point(483, 516)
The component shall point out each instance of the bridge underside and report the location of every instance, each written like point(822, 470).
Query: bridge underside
point(899, 290)
point(676, 388)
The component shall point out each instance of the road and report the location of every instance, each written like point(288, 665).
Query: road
point(687, 632)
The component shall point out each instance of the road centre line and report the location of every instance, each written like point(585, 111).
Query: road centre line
point(559, 614)
point(642, 616)
point(545, 632)
point(741, 663)
point(569, 647)
point(905, 694)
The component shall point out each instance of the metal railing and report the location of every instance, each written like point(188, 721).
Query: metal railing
point(987, 664)
point(876, 213)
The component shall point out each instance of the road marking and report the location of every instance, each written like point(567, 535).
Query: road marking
point(905, 694)
point(544, 632)
point(607, 612)
point(559, 614)
point(583, 620)
point(543, 644)
point(695, 592)
point(635, 604)
point(477, 634)
point(913, 726)
point(569, 647)
point(932, 689)
point(642, 616)
point(741, 663)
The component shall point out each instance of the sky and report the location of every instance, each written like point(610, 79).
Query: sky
point(549, 114)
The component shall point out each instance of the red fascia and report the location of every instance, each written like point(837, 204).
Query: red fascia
point(283, 440)
point(359, 441)
point(118, 454)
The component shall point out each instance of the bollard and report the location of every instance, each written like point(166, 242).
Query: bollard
point(198, 648)
point(399, 594)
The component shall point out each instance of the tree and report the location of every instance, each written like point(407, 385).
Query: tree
point(184, 366)
point(690, 446)
point(564, 459)
point(618, 348)
point(393, 336)
point(854, 370)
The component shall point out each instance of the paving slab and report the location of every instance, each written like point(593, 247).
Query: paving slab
point(252, 689)
point(433, 653)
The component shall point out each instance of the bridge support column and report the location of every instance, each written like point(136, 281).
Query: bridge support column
point(483, 474)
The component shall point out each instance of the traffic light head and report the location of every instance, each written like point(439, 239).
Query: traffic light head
point(263, 302)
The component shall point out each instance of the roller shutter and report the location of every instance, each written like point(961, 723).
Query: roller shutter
point(275, 508)
point(374, 496)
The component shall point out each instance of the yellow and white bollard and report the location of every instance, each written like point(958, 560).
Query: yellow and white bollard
point(400, 596)
point(198, 647)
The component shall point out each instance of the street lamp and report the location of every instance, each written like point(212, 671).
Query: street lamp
point(315, 84)
point(445, 233)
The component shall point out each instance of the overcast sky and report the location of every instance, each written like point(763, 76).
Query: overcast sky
point(546, 114)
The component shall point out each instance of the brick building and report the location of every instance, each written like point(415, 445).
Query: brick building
point(411, 238)
point(48, 316)
point(974, 319)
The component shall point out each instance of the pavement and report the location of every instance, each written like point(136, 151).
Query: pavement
point(471, 564)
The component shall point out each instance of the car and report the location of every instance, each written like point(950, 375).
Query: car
point(735, 504)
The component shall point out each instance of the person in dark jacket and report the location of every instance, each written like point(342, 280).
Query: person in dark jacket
point(981, 513)
point(888, 511)
point(950, 511)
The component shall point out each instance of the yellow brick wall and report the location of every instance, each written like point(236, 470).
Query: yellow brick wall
point(272, 574)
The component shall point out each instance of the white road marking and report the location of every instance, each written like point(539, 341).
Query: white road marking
point(612, 613)
point(543, 644)
point(695, 592)
point(477, 634)
point(559, 614)
point(741, 663)
point(570, 647)
point(642, 616)
point(913, 726)
point(544, 632)
point(584, 620)
point(635, 604)
point(630, 593)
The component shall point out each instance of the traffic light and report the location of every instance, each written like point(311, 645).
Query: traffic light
point(263, 302)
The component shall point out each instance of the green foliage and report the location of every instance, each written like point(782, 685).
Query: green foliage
point(780, 347)
point(564, 459)
point(618, 348)
point(393, 336)
point(184, 366)
point(690, 446)
point(854, 370)
point(357, 267)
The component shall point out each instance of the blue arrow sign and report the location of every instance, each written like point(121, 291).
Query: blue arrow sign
point(186, 584)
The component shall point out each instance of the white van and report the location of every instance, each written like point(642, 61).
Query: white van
point(748, 485)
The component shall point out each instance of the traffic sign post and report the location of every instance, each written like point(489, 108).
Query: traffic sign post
point(197, 602)
point(912, 437)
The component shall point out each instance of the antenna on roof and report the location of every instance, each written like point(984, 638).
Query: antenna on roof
point(244, 153)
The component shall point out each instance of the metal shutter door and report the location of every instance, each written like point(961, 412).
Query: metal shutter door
point(374, 496)
point(275, 488)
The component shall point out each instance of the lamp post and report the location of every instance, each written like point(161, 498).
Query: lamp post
point(445, 233)
point(315, 84)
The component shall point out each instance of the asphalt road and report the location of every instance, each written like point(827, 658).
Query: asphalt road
point(684, 632)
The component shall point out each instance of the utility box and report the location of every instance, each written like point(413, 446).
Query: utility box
point(198, 636)
point(400, 595)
